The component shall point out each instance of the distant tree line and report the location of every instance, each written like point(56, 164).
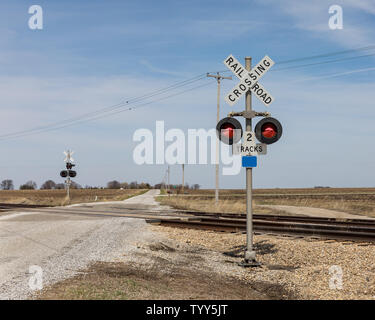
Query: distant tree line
point(163, 185)
point(31, 185)
point(7, 185)
point(124, 185)
point(51, 185)
point(143, 185)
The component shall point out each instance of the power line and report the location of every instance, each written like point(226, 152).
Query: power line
point(371, 47)
point(324, 62)
point(19, 135)
point(110, 108)
point(119, 107)
point(327, 54)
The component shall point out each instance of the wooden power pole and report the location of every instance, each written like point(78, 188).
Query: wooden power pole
point(218, 77)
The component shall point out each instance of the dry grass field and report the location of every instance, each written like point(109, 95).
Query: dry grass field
point(58, 197)
point(350, 200)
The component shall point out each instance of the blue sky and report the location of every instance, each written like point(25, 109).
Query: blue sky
point(93, 54)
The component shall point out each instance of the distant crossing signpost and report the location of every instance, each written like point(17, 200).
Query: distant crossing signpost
point(267, 131)
point(68, 173)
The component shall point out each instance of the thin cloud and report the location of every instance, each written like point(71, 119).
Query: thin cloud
point(336, 74)
point(313, 16)
point(160, 70)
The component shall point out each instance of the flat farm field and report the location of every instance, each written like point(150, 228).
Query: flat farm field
point(58, 197)
point(351, 200)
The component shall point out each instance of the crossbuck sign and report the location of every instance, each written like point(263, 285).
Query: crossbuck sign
point(249, 80)
point(68, 156)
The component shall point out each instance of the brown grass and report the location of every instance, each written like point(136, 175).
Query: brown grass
point(58, 197)
point(350, 200)
point(207, 205)
point(120, 281)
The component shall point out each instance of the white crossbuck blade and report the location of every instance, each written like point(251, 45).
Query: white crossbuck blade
point(68, 156)
point(249, 80)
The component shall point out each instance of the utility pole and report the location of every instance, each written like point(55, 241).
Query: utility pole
point(249, 253)
point(169, 174)
point(218, 77)
point(183, 177)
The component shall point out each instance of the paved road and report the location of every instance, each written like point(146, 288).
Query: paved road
point(61, 243)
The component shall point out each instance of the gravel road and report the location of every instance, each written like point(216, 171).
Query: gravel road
point(60, 244)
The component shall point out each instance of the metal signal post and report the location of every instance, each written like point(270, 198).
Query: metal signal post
point(68, 182)
point(267, 131)
point(249, 253)
point(68, 172)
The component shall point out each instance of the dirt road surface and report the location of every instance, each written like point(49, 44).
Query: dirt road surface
point(62, 243)
point(87, 252)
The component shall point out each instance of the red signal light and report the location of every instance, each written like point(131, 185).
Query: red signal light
point(64, 174)
point(269, 130)
point(229, 130)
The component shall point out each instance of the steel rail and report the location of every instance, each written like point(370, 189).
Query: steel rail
point(307, 219)
point(301, 226)
point(332, 230)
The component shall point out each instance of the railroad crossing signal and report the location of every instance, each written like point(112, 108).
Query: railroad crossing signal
point(69, 165)
point(68, 156)
point(268, 130)
point(68, 173)
point(64, 173)
point(249, 80)
point(72, 173)
point(229, 130)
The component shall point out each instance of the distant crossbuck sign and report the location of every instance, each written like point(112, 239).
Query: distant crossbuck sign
point(68, 156)
point(249, 80)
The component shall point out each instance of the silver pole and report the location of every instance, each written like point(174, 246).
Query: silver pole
point(217, 144)
point(169, 186)
point(68, 188)
point(249, 253)
point(183, 177)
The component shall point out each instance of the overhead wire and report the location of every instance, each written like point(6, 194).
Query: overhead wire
point(324, 62)
point(371, 47)
point(110, 108)
point(327, 54)
point(128, 104)
point(18, 135)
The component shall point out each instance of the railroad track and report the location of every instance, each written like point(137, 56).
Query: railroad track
point(278, 217)
point(361, 230)
point(15, 206)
